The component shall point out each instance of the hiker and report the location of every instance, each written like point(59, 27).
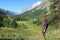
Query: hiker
point(45, 25)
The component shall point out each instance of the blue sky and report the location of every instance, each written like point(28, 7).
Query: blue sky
point(16, 5)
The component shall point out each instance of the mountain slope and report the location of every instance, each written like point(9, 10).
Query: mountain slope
point(6, 12)
point(39, 12)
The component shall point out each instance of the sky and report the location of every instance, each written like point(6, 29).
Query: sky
point(16, 5)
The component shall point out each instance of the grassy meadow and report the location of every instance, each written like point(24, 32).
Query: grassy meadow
point(28, 31)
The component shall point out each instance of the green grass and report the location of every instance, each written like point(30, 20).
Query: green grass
point(18, 33)
point(29, 25)
point(29, 32)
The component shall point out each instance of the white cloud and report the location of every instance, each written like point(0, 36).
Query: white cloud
point(34, 5)
point(37, 3)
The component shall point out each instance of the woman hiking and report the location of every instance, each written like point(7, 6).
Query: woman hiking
point(45, 25)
